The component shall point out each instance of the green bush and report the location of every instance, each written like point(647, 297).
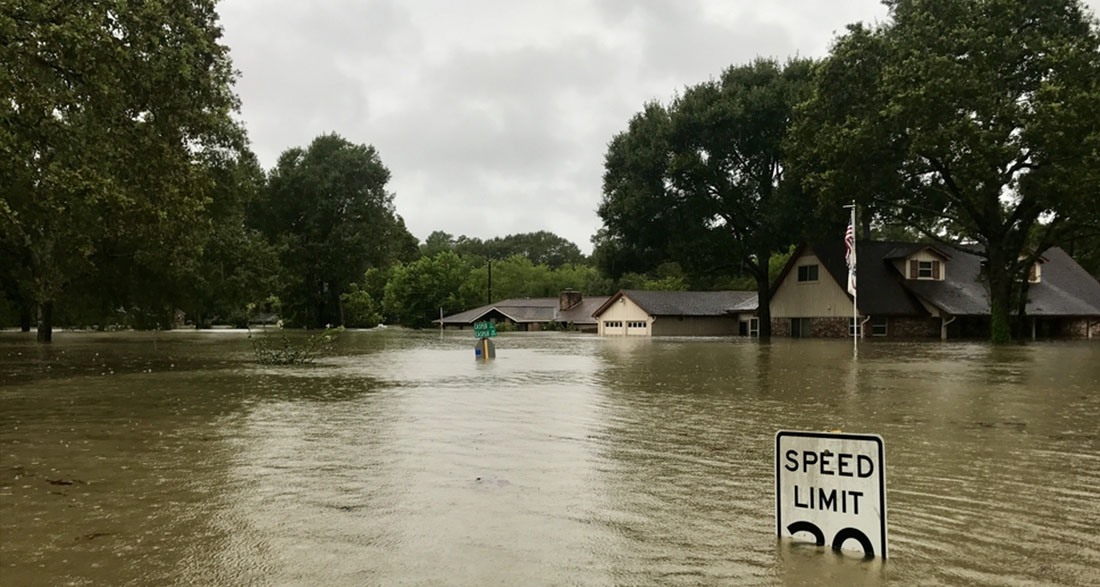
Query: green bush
point(360, 310)
point(279, 349)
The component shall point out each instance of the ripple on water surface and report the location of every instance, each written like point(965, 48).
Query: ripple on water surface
point(171, 458)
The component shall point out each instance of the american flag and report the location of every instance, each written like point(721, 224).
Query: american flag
point(850, 252)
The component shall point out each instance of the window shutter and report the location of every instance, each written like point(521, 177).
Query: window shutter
point(935, 269)
point(913, 268)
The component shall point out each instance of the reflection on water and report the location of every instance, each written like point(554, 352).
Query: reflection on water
point(170, 458)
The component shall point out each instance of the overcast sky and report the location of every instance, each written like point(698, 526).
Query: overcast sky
point(494, 116)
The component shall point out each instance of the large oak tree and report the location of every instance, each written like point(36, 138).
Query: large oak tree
point(968, 119)
point(106, 110)
point(706, 181)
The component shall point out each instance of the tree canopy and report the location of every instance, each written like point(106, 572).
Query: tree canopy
point(327, 209)
point(706, 181)
point(971, 120)
point(109, 108)
point(541, 248)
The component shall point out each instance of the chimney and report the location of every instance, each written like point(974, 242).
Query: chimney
point(568, 299)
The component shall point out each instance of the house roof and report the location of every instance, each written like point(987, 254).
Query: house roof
point(905, 250)
point(582, 312)
point(686, 303)
point(874, 273)
point(1064, 288)
point(528, 310)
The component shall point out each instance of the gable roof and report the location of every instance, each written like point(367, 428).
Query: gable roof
point(879, 283)
point(529, 310)
point(1064, 289)
point(686, 303)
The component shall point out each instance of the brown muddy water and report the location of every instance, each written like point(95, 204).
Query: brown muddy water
point(173, 459)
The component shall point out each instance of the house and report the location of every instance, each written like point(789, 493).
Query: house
point(913, 290)
point(532, 314)
point(678, 313)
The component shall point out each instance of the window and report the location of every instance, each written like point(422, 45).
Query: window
point(613, 324)
point(878, 325)
point(754, 327)
point(807, 272)
point(1033, 273)
point(854, 327)
point(924, 269)
point(635, 324)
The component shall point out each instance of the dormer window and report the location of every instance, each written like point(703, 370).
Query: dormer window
point(920, 269)
point(1034, 273)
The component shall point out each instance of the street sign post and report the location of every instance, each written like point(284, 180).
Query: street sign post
point(484, 349)
point(832, 487)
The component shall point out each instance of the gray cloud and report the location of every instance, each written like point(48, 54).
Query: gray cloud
point(494, 116)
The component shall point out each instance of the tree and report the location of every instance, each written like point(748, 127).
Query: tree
point(706, 182)
point(637, 217)
point(437, 242)
point(107, 109)
point(541, 248)
point(977, 120)
point(237, 266)
point(417, 291)
point(327, 209)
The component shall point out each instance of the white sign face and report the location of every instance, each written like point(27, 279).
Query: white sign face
point(831, 488)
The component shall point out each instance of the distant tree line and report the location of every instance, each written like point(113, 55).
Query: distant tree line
point(130, 197)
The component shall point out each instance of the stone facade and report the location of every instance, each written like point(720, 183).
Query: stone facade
point(1078, 328)
point(829, 327)
point(903, 327)
point(910, 328)
point(820, 327)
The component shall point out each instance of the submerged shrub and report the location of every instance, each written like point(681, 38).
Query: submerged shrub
point(279, 349)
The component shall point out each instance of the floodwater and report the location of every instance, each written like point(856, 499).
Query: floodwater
point(173, 459)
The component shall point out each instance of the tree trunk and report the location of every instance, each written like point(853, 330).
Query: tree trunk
point(1000, 300)
point(45, 321)
point(1022, 331)
point(24, 317)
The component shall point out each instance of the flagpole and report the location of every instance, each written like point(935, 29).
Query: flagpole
point(853, 287)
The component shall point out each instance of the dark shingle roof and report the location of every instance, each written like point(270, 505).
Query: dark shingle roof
point(582, 312)
point(692, 303)
point(880, 290)
point(1064, 288)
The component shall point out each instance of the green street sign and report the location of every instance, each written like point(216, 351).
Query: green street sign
point(485, 329)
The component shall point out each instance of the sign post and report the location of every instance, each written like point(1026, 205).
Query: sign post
point(485, 349)
point(832, 487)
